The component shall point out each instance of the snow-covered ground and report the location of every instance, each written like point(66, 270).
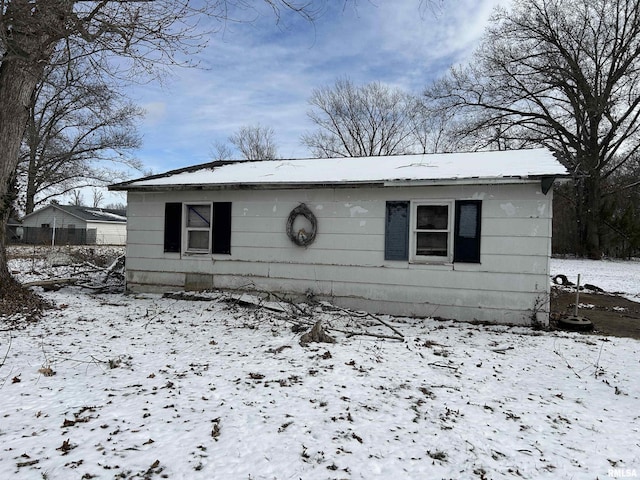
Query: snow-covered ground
point(123, 386)
point(614, 276)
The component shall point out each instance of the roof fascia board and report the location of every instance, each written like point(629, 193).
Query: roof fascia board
point(193, 168)
point(300, 185)
point(108, 222)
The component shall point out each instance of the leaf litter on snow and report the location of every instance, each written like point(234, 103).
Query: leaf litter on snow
point(153, 387)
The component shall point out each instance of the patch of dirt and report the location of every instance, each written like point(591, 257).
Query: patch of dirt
point(611, 314)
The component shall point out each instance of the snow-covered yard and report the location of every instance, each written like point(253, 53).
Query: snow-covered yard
point(120, 386)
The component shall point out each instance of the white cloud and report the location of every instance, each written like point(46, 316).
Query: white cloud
point(264, 73)
point(155, 112)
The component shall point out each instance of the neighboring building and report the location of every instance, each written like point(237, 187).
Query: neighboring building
point(14, 230)
point(465, 236)
point(75, 225)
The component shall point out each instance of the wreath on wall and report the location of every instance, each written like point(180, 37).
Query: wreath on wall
point(302, 237)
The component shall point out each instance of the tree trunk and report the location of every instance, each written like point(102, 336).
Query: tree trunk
point(17, 82)
point(28, 48)
point(588, 214)
point(31, 135)
point(30, 197)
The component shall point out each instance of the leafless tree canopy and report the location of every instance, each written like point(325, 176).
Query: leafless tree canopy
point(356, 121)
point(255, 142)
point(80, 132)
point(221, 151)
point(561, 73)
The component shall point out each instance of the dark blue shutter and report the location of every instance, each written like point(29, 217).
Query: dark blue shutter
point(396, 236)
point(221, 227)
point(467, 231)
point(172, 227)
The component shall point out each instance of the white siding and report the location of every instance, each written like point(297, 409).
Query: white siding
point(49, 216)
point(346, 262)
point(109, 233)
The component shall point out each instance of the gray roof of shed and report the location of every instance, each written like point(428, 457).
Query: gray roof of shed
point(89, 214)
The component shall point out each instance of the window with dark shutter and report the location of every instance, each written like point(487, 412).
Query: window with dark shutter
point(172, 227)
point(221, 227)
point(467, 231)
point(396, 238)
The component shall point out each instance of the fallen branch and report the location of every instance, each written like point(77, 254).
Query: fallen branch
point(292, 304)
point(53, 282)
point(370, 315)
point(250, 301)
point(7, 352)
point(368, 334)
point(440, 365)
point(566, 361)
point(502, 350)
point(188, 296)
point(457, 389)
point(391, 327)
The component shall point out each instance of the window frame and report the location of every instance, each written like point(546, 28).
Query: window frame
point(188, 229)
point(414, 257)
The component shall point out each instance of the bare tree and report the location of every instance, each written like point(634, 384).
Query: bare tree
point(116, 206)
point(255, 142)
point(221, 151)
point(76, 197)
point(565, 74)
point(145, 36)
point(433, 129)
point(356, 121)
point(77, 126)
point(98, 197)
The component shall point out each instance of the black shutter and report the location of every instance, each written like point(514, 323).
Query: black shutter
point(467, 231)
point(172, 227)
point(221, 227)
point(396, 236)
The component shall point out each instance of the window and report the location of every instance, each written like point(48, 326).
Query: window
point(206, 227)
point(433, 232)
point(198, 227)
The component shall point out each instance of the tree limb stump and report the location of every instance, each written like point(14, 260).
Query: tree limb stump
point(316, 335)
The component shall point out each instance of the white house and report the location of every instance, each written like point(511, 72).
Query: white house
point(465, 236)
point(75, 225)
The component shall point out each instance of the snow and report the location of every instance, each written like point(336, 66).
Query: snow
point(613, 276)
point(107, 215)
point(153, 387)
point(390, 169)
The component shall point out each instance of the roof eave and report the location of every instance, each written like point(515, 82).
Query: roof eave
point(341, 184)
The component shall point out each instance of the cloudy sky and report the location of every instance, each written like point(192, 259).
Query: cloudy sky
point(264, 71)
